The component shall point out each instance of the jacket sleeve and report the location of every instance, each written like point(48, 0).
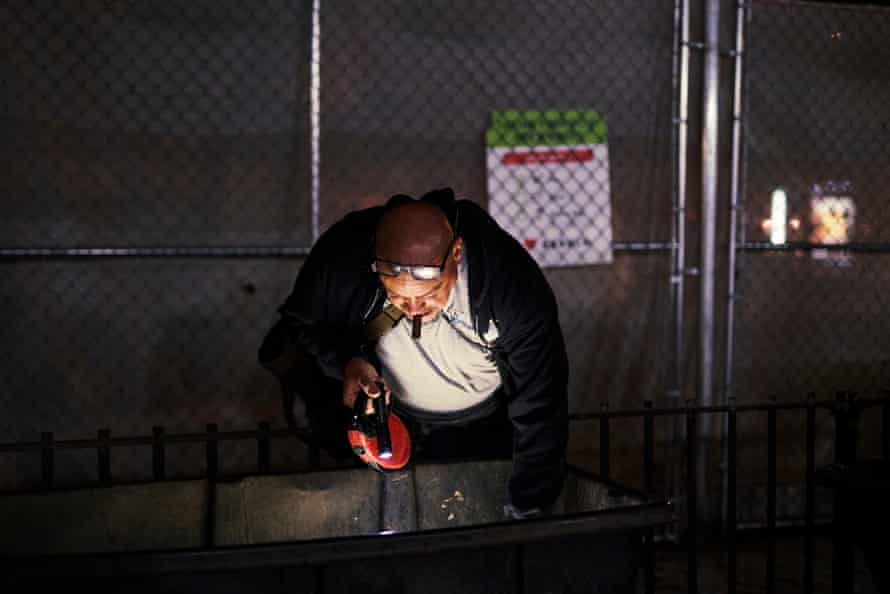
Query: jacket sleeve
point(313, 319)
point(535, 371)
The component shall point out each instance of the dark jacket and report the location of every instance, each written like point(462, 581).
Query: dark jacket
point(336, 293)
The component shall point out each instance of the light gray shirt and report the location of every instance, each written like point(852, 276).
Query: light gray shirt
point(449, 368)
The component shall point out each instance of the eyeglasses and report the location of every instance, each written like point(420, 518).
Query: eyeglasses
point(423, 272)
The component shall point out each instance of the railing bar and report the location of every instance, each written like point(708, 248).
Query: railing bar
point(23, 447)
point(212, 470)
point(841, 437)
point(811, 496)
point(721, 408)
point(26, 446)
point(691, 500)
point(649, 560)
point(605, 444)
point(47, 460)
point(845, 454)
point(885, 429)
point(263, 448)
point(157, 453)
point(202, 437)
point(103, 456)
point(771, 502)
point(519, 569)
point(731, 502)
point(64, 444)
point(212, 451)
point(648, 450)
point(791, 246)
point(210, 515)
point(648, 486)
point(63, 252)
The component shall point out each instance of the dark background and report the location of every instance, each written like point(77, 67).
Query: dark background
point(182, 125)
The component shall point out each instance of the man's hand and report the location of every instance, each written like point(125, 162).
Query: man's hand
point(514, 513)
point(360, 376)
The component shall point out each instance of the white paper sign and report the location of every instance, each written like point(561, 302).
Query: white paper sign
point(548, 184)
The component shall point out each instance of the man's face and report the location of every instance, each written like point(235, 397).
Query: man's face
point(426, 298)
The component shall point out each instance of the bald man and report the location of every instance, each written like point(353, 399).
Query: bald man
point(470, 351)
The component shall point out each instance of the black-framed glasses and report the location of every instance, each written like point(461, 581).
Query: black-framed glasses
point(421, 272)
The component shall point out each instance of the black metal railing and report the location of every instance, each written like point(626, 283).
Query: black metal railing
point(158, 440)
point(846, 409)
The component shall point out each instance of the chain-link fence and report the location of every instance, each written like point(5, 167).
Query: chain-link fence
point(162, 123)
point(811, 305)
point(166, 162)
point(158, 129)
point(162, 129)
point(815, 316)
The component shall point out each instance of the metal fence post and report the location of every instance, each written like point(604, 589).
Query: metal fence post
point(731, 564)
point(212, 469)
point(842, 563)
point(263, 448)
point(47, 459)
point(734, 210)
point(811, 493)
point(885, 429)
point(708, 224)
point(648, 449)
point(605, 442)
point(157, 453)
point(691, 498)
point(771, 498)
point(844, 424)
point(212, 451)
point(103, 452)
point(679, 136)
point(648, 486)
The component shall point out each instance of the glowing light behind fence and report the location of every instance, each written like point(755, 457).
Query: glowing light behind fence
point(778, 216)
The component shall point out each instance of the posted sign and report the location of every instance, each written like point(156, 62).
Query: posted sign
point(548, 184)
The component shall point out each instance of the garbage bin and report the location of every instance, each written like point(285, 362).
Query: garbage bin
point(436, 528)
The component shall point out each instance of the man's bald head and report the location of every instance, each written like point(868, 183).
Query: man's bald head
point(413, 233)
point(417, 233)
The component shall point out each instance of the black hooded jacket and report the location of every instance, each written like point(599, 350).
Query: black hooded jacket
point(336, 293)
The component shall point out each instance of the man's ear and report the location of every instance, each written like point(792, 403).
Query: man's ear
point(458, 249)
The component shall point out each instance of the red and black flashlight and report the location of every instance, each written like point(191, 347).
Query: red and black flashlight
point(381, 439)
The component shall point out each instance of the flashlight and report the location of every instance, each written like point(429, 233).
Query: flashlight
point(384, 444)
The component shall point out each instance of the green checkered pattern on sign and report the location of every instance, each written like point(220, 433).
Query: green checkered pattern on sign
point(546, 128)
